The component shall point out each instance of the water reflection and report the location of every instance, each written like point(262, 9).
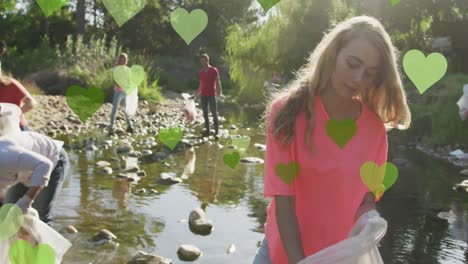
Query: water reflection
point(150, 222)
point(121, 191)
point(190, 159)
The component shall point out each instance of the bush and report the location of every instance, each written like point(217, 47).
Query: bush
point(28, 61)
point(438, 105)
point(150, 90)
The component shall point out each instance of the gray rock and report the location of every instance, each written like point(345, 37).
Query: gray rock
point(146, 152)
point(130, 176)
point(141, 191)
point(103, 236)
point(153, 191)
point(261, 147)
point(168, 179)
point(233, 127)
point(464, 172)
point(401, 147)
point(106, 171)
point(188, 252)
point(124, 149)
point(145, 258)
point(102, 164)
point(141, 173)
point(198, 223)
point(135, 154)
point(132, 168)
point(69, 229)
point(252, 160)
point(400, 162)
point(160, 156)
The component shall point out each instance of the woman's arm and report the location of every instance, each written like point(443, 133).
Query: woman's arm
point(28, 104)
point(288, 228)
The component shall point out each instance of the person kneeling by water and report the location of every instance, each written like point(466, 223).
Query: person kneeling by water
point(33, 165)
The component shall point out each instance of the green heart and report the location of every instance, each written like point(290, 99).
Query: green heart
point(422, 71)
point(123, 10)
point(189, 26)
point(288, 172)
point(241, 144)
point(84, 102)
point(22, 252)
point(231, 159)
point(394, 2)
point(170, 137)
point(129, 78)
point(378, 178)
point(267, 4)
point(341, 132)
point(11, 220)
point(50, 6)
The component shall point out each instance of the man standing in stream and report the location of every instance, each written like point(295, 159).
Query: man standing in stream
point(209, 87)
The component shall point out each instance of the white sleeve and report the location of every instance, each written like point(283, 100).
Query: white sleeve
point(27, 160)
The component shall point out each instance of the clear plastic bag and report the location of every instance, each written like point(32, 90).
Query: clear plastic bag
point(36, 232)
point(359, 248)
point(131, 103)
point(189, 110)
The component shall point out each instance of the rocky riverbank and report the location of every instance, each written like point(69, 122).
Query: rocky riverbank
point(439, 153)
point(54, 118)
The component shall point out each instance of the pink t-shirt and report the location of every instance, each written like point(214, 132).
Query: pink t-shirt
point(328, 189)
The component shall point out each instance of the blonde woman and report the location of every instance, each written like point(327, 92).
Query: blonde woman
point(352, 73)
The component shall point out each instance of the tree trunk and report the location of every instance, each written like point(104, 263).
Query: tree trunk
point(80, 16)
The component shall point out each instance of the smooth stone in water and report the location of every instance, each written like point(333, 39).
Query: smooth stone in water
point(261, 147)
point(132, 177)
point(141, 191)
point(252, 160)
point(198, 223)
point(141, 173)
point(102, 164)
point(145, 258)
point(168, 179)
point(106, 171)
point(70, 229)
point(188, 252)
point(132, 168)
point(464, 172)
point(103, 235)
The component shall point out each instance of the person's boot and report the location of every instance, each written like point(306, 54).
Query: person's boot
point(130, 129)
point(111, 132)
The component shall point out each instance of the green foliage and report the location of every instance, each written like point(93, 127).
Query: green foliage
point(150, 91)
point(438, 105)
point(32, 60)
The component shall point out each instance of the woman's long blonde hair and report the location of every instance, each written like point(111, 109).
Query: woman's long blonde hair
point(387, 99)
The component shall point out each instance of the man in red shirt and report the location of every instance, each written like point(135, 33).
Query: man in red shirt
point(11, 91)
point(209, 87)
